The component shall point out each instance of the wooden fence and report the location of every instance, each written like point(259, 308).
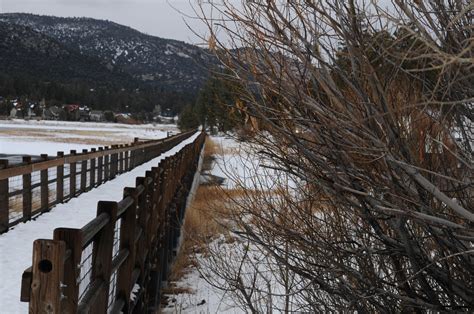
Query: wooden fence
point(119, 260)
point(32, 188)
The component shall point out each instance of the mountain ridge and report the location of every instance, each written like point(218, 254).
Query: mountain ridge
point(164, 63)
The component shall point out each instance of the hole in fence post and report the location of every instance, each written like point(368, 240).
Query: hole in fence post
point(45, 266)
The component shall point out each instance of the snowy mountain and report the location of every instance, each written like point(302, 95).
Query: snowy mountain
point(169, 64)
point(27, 53)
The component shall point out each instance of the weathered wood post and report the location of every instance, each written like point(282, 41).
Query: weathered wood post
point(48, 270)
point(113, 163)
point(27, 191)
point(127, 158)
point(132, 158)
point(121, 163)
point(102, 254)
point(127, 241)
point(72, 176)
point(92, 170)
point(106, 166)
point(100, 167)
point(60, 179)
point(4, 211)
point(84, 173)
point(136, 154)
point(73, 240)
point(44, 186)
point(142, 203)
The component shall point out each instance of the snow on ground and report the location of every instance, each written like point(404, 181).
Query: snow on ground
point(17, 244)
point(36, 147)
point(49, 137)
point(242, 167)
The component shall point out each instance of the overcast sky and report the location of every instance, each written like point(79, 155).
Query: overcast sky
point(155, 17)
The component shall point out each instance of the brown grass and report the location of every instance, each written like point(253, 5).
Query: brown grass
point(205, 220)
point(211, 148)
point(200, 227)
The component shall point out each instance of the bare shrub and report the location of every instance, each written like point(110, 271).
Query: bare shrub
point(368, 110)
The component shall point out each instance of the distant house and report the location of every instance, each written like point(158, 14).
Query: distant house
point(72, 112)
point(17, 110)
point(84, 113)
point(13, 113)
point(125, 118)
point(52, 113)
point(32, 109)
point(97, 115)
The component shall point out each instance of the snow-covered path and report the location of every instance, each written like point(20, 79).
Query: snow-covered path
point(17, 244)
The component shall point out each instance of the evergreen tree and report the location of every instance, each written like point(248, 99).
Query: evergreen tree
point(188, 119)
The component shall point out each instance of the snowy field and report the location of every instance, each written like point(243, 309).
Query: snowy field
point(243, 168)
point(49, 137)
point(240, 169)
point(16, 245)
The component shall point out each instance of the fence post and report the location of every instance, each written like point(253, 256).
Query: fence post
point(121, 160)
point(132, 158)
point(102, 254)
point(73, 240)
point(48, 270)
point(92, 171)
point(84, 173)
point(113, 163)
point(44, 186)
point(27, 191)
point(127, 158)
point(100, 167)
point(72, 177)
point(127, 241)
point(60, 179)
point(143, 216)
point(106, 166)
point(4, 212)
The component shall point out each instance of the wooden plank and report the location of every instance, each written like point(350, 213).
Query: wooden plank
point(100, 167)
point(120, 166)
point(4, 202)
point(26, 193)
point(26, 279)
point(84, 173)
point(127, 160)
point(44, 186)
point(113, 163)
point(127, 241)
point(102, 254)
point(60, 180)
point(72, 177)
point(48, 270)
point(92, 172)
point(106, 166)
point(73, 241)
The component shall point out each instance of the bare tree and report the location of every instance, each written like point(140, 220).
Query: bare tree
point(369, 109)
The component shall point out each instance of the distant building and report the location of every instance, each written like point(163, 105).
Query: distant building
point(32, 110)
point(52, 113)
point(72, 112)
point(97, 115)
point(84, 113)
point(13, 113)
point(17, 110)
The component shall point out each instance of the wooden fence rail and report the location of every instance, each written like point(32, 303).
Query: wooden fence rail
point(32, 188)
point(118, 261)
